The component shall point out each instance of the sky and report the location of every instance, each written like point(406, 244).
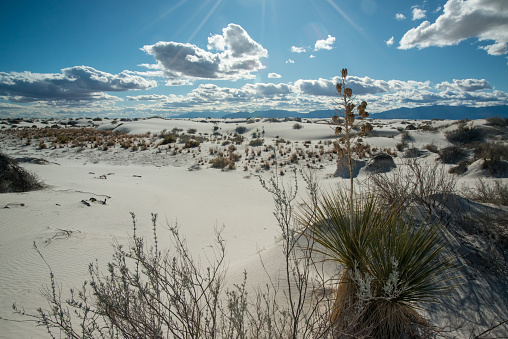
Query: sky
point(71, 58)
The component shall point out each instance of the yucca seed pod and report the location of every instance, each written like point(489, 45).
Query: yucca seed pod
point(339, 88)
point(338, 130)
point(348, 92)
point(335, 119)
point(344, 72)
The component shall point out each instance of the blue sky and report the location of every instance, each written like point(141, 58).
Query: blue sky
point(134, 58)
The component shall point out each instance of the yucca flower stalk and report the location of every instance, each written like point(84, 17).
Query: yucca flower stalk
point(344, 122)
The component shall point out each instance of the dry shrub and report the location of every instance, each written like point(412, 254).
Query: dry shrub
point(488, 191)
point(414, 182)
point(452, 154)
point(14, 178)
point(464, 135)
point(497, 121)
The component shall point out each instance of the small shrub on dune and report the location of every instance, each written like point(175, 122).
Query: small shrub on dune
point(460, 169)
point(297, 126)
point(494, 157)
point(241, 129)
point(192, 144)
point(464, 135)
point(256, 142)
point(497, 122)
point(432, 148)
point(14, 178)
point(452, 154)
point(488, 191)
point(168, 139)
point(222, 162)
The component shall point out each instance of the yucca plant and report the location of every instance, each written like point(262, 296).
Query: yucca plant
point(391, 264)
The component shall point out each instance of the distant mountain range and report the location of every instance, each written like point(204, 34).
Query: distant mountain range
point(428, 112)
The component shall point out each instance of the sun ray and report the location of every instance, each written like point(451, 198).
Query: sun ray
point(210, 13)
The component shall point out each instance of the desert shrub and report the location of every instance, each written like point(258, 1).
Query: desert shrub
point(494, 157)
point(400, 146)
point(297, 126)
point(405, 137)
point(414, 182)
point(168, 139)
point(488, 191)
point(221, 162)
point(14, 178)
point(192, 131)
point(412, 152)
point(432, 148)
point(192, 144)
point(452, 154)
point(237, 139)
point(464, 135)
point(257, 142)
point(240, 129)
point(497, 121)
point(460, 169)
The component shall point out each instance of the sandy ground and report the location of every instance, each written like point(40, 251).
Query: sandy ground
point(181, 187)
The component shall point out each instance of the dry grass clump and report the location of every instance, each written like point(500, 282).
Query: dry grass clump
point(256, 142)
point(14, 178)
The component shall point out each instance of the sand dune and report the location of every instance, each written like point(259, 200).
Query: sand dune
point(90, 192)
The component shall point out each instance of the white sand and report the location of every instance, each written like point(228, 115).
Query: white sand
point(149, 181)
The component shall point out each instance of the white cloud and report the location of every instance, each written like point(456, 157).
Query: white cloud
point(274, 75)
point(325, 44)
point(481, 19)
point(466, 85)
point(389, 42)
point(418, 13)
point(295, 49)
point(312, 56)
point(290, 61)
point(73, 84)
point(400, 16)
point(239, 55)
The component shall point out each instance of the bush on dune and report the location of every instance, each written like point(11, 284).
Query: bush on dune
point(14, 178)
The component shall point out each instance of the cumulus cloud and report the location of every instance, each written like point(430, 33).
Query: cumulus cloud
point(486, 20)
point(73, 84)
point(466, 85)
point(312, 56)
point(295, 49)
point(418, 13)
point(389, 42)
point(290, 61)
point(274, 75)
point(149, 97)
point(325, 44)
point(238, 56)
point(400, 16)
